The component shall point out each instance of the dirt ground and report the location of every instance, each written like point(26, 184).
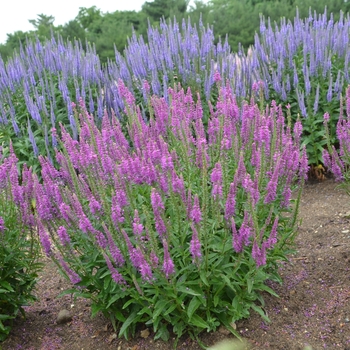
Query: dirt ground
point(313, 308)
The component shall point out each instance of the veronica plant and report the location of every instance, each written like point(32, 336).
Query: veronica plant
point(19, 247)
point(338, 160)
point(37, 86)
point(304, 64)
point(176, 226)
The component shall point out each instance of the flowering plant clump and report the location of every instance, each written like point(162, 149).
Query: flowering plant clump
point(307, 70)
point(338, 160)
point(174, 225)
point(37, 86)
point(19, 247)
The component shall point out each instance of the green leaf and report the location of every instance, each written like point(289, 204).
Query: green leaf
point(260, 311)
point(67, 291)
point(130, 301)
point(113, 300)
point(162, 333)
point(203, 277)
point(6, 317)
point(6, 285)
point(193, 306)
point(250, 284)
point(106, 282)
point(95, 308)
point(119, 316)
point(268, 289)
point(198, 322)
point(171, 308)
point(146, 310)
point(187, 290)
point(159, 308)
point(133, 317)
point(228, 282)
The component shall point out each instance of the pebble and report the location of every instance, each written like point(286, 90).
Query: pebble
point(64, 316)
point(145, 333)
point(347, 320)
point(223, 330)
point(345, 231)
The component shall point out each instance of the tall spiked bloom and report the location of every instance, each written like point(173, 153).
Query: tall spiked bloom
point(196, 214)
point(158, 208)
point(117, 277)
point(259, 254)
point(195, 245)
point(216, 179)
point(168, 264)
point(44, 238)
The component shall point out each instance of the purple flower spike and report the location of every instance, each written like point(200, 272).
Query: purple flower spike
point(137, 226)
point(2, 225)
point(117, 277)
point(196, 214)
point(231, 202)
point(63, 235)
point(44, 239)
point(216, 179)
point(168, 265)
point(259, 254)
point(195, 245)
point(272, 240)
point(73, 276)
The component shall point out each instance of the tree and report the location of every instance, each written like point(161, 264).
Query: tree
point(43, 26)
point(87, 16)
point(113, 29)
point(72, 30)
point(165, 8)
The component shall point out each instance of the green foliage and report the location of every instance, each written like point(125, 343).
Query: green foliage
point(157, 9)
point(110, 32)
point(19, 253)
point(43, 26)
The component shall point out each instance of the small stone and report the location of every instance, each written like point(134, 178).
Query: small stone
point(345, 231)
point(285, 309)
point(347, 320)
point(224, 330)
point(112, 337)
point(64, 316)
point(233, 325)
point(145, 333)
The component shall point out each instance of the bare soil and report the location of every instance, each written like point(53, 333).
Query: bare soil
point(313, 307)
